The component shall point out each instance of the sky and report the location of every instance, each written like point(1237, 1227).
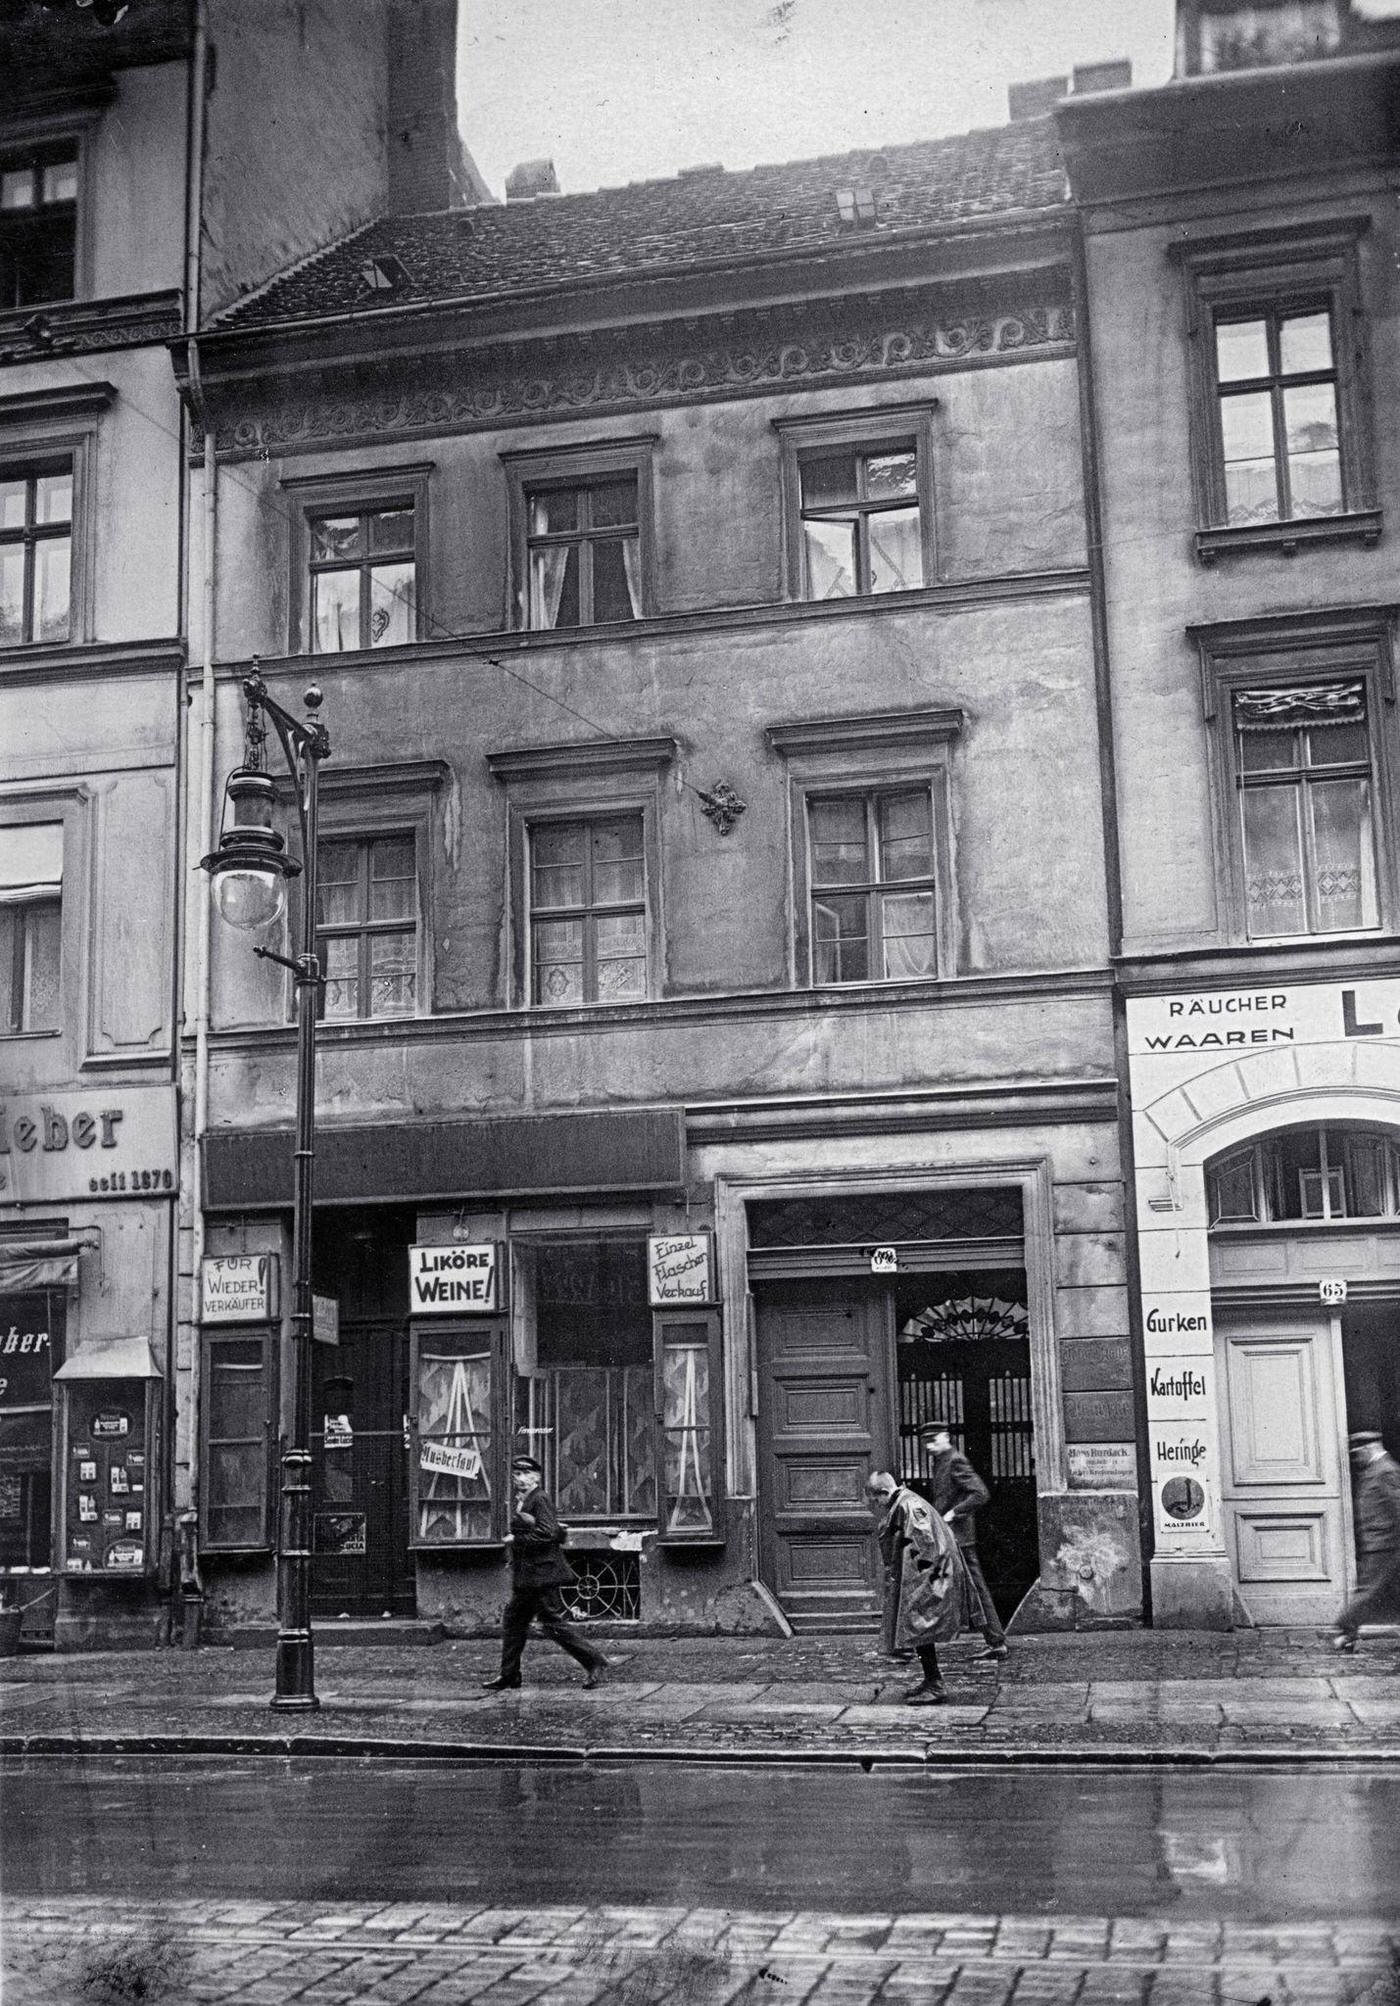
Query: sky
point(622, 90)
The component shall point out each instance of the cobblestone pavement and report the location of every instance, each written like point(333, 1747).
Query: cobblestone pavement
point(250, 1953)
point(1155, 1692)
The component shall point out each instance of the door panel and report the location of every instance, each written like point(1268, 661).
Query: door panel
point(823, 1394)
point(1282, 1478)
point(360, 1556)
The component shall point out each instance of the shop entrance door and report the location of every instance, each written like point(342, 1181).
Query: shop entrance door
point(1284, 1503)
point(361, 1565)
point(825, 1367)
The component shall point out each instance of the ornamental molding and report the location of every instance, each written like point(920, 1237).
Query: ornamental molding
point(88, 327)
point(476, 390)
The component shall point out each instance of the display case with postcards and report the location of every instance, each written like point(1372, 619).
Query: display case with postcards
point(108, 1425)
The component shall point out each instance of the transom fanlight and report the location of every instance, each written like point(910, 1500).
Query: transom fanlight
point(967, 1319)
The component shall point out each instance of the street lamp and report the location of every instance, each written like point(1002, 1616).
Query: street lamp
point(250, 870)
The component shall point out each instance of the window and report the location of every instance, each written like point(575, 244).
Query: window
point(36, 550)
point(687, 1401)
point(874, 899)
point(38, 224)
point(236, 1421)
point(1306, 1174)
point(581, 534)
point(363, 579)
point(1278, 386)
point(588, 916)
point(458, 1480)
point(33, 1336)
point(31, 885)
point(1304, 776)
point(859, 503)
point(367, 926)
point(585, 553)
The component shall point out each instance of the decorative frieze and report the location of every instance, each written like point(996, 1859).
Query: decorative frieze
point(475, 390)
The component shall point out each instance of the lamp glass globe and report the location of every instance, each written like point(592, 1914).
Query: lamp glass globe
point(250, 899)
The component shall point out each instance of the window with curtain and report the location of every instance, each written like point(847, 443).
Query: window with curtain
point(1303, 769)
point(237, 1423)
point(367, 925)
point(363, 577)
point(588, 911)
point(872, 869)
point(1276, 384)
point(31, 909)
point(36, 552)
point(583, 547)
point(862, 531)
point(38, 223)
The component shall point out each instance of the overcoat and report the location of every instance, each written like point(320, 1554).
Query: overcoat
point(537, 1551)
point(925, 1571)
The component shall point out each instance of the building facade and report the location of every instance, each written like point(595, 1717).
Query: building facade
point(717, 1069)
point(1240, 242)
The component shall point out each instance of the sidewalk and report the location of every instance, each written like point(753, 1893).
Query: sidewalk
point(1117, 1695)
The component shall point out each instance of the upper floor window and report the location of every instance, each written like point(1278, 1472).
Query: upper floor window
point(1303, 774)
point(873, 886)
point(1306, 1174)
point(859, 503)
point(36, 552)
point(588, 914)
point(585, 553)
point(31, 890)
point(367, 926)
point(38, 224)
point(1281, 451)
point(363, 578)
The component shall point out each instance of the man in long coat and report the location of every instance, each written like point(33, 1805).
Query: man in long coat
point(538, 1571)
point(1377, 1596)
point(925, 1576)
point(958, 1494)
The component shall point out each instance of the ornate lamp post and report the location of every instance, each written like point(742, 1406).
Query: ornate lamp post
point(250, 870)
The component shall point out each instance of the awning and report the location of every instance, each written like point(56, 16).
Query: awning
point(116, 1358)
point(39, 1264)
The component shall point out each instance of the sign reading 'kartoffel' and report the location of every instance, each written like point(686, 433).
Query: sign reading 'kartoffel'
point(453, 1281)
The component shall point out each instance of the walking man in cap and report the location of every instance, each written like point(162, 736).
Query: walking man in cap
point(957, 1494)
point(538, 1572)
point(1377, 1539)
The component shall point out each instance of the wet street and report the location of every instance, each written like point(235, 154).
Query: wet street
point(269, 1880)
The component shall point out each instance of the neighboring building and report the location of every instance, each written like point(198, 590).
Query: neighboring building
point(133, 153)
point(1241, 245)
point(715, 901)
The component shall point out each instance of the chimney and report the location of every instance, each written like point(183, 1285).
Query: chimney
point(1034, 100)
point(530, 179)
point(429, 168)
point(1113, 76)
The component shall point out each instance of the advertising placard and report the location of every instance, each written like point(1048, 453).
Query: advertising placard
point(1101, 1466)
point(454, 1281)
point(1183, 1467)
point(238, 1288)
point(680, 1270)
point(102, 1143)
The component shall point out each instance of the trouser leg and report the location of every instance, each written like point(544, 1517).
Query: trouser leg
point(991, 1622)
point(556, 1625)
point(515, 1627)
point(1377, 1595)
point(928, 1661)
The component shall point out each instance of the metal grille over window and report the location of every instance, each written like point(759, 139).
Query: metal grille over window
point(363, 578)
point(1277, 383)
point(1303, 765)
point(880, 1218)
point(36, 553)
point(608, 1588)
point(31, 887)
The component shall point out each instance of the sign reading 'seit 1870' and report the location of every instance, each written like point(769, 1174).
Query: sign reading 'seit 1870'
point(106, 1144)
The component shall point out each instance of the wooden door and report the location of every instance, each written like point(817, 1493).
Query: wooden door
point(361, 1564)
point(825, 1419)
point(1281, 1464)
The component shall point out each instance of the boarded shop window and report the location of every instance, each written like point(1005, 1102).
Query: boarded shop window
point(1304, 786)
point(36, 552)
point(236, 1506)
point(588, 911)
point(31, 1345)
point(31, 887)
point(38, 224)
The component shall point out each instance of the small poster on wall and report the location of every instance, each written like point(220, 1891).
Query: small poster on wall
point(680, 1270)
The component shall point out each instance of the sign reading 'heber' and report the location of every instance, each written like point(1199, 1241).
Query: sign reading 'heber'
point(452, 1281)
point(88, 1145)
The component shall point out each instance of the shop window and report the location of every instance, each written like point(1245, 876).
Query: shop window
point(588, 912)
point(31, 911)
point(459, 1465)
point(31, 1346)
point(687, 1399)
point(367, 925)
point(1306, 1174)
point(38, 224)
point(859, 503)
point(359, 551)
point(1281, 456)
point(236, 1423)
point(581, 534)
point(36, 552)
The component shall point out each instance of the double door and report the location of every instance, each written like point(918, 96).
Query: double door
point(1284, 1490)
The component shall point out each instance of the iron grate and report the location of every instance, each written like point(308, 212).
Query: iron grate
point(608, 1588)
point(879, 1218)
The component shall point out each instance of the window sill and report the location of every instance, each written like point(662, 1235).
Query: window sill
point(486, 1549)
point(674, 1542)
point(1360, 526)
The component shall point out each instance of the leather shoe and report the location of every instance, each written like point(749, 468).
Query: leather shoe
point(993, 1654)
point(1343, 1642)
point(500, 1685)
point(927, 1696)
point(595, 1674)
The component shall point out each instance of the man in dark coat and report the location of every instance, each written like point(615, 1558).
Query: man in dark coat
point(1377, 1597)
point(538, 1572)
point(957, 1494)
